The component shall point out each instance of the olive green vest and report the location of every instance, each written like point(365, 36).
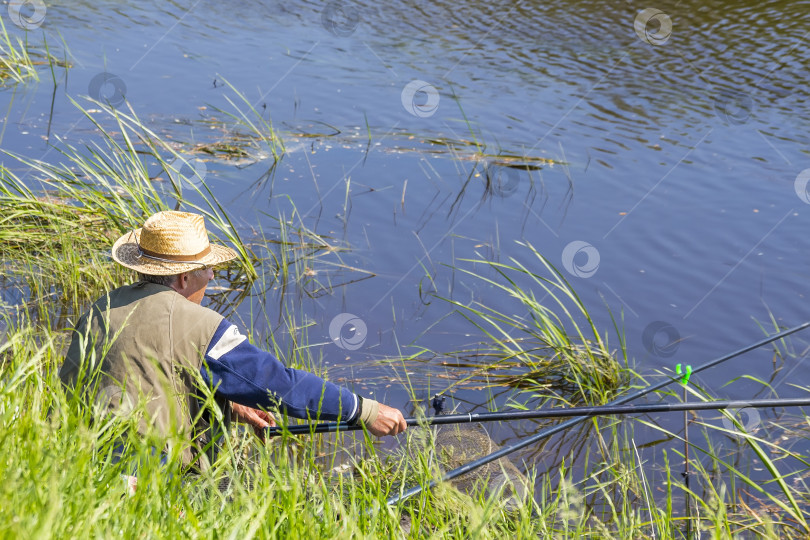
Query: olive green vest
point(150, 342)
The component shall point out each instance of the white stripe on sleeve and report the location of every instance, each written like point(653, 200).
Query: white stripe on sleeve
point(229, 340)
point(354, 409)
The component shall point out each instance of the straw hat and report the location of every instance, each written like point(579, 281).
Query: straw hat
point(169, 243)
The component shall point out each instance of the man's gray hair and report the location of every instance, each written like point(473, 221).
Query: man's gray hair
point(168, 281)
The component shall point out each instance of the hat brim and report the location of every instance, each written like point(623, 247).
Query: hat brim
point(126, 252)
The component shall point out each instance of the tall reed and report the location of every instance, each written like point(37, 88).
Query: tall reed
point(16, 64)
point(552, 347)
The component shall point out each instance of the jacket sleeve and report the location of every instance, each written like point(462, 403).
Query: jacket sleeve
point(241, 372)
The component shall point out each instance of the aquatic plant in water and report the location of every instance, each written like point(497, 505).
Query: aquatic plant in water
point(554, 351)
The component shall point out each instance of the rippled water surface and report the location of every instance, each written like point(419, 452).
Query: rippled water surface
point(673, 156)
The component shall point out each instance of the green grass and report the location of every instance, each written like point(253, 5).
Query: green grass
point(19, 59)
point(59, 481)
point(16, 64)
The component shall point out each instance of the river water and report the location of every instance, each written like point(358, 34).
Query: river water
point(668, 145)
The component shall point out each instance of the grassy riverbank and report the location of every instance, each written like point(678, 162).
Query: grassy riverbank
point(59, 481)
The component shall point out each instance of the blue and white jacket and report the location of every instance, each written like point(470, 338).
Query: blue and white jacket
point(245, 374)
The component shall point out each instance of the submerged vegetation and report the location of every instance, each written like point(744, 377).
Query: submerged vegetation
point(553, 350)
point(60, 479)
point(19, 59)
point(16, 64)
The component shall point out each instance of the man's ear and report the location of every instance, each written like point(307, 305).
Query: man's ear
point(181, 282)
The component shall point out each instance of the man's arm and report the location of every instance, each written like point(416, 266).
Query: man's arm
point(247, 375)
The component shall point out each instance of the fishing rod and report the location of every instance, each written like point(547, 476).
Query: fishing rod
point(544, 433)
point(584, 412)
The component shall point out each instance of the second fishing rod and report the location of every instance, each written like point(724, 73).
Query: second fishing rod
point(545, 433)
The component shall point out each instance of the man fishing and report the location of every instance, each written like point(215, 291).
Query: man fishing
point(153, 343)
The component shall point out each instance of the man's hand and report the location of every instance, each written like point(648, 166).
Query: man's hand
point(259, 420)
point(389, 421)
